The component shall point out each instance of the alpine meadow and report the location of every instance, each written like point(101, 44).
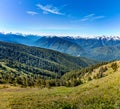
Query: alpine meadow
point(62, 54)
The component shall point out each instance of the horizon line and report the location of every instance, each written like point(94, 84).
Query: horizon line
point(58, 35)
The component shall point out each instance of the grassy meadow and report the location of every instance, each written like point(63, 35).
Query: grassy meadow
point(102, 93)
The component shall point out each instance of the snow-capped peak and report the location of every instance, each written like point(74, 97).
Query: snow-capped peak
point(108, 37)
point(98, 37)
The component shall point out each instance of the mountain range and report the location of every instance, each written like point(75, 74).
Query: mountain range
point(38, 70)
point(102, 48)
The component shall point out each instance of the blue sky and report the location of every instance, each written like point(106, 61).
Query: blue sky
point(61, 17)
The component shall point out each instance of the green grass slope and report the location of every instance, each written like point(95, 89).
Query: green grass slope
point(102, 93)
point(80, 76)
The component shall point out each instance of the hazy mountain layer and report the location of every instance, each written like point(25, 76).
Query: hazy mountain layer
point(98, 48)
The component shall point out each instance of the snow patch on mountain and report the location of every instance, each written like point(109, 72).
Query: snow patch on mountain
point(98, 37)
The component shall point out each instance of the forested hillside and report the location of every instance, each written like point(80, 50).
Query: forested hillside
point(33, 63)
point(34, 66)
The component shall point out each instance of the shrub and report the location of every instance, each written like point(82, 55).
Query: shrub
point(114, 66)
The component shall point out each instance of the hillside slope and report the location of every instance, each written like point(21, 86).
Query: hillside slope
point(93, 72)
point(45, 59)
point(102, 93)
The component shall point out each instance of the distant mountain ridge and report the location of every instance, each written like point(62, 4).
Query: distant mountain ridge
point(19, 38)
point(102, 48)
point(60, 44)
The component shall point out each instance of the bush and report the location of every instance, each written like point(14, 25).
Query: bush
point(114, 66)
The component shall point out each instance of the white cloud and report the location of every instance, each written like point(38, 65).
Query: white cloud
point(98, 17)
point(91, 17)
point(49, 9)
point(31, 13)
